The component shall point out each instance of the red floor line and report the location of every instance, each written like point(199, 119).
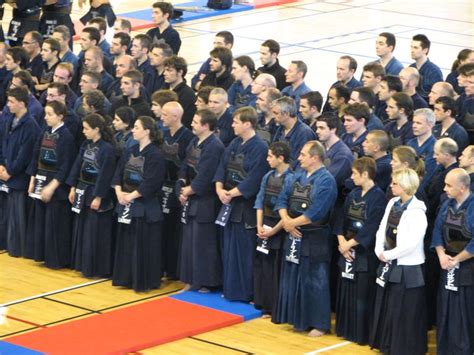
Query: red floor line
point(27, 322)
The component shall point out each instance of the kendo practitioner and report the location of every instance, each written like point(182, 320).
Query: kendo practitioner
point(176, 140)
point(237, 182)
point(164, 32)
point(138, 180)
point(399, 111)
point(267, 125)
point(26, 15)
point(363, 211)
point(200, 266)
point(356, 117)
point(56, 13)
point(399, 322)
point(99, 8)
point(18, 137)
point(267, 262)
point(2, 10)
point(91, 198)
point(304, 207)
point(466, 161)
point(50, 216)
point(453, 241)
point(376, 145)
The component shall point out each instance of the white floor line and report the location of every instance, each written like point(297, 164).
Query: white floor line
point(51, 293)
point(329, 348)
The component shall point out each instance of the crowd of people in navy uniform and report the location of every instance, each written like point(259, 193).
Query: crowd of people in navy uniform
point(242, 180)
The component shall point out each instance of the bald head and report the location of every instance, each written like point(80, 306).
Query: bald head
point(457, 184)
point(440, 89)
point(173, 109)
point(263, 82)
point(123, 64)
point(409, 77)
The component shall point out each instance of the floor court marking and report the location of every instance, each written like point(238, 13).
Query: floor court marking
point(71, 305)
point(26, 322)
point(335, 346)
point(220, 345)
point(53, 292)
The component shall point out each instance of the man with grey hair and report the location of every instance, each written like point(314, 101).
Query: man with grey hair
point(291, 130)
point(423, 142)
point(266, 125)
point(440, 89)
point(452, 239)
point(445, 110)
point(262, 82)
point(219, 104)
point(410, 77)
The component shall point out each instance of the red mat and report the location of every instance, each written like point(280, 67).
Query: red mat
point(128, 329)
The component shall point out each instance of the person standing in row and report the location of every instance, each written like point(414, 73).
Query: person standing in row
point(267, 263)
point(200, 259)
point(49, 220)
point(91, 198)
point(400, 314)
point(304, 206)
point(138, 180)
point(237, 181)
point(363, 211)
point(452, 239)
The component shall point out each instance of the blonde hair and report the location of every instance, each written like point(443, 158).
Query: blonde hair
point(407, 179)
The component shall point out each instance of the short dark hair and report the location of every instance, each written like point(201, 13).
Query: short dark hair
point(164, 96)
point(403, 101)
point(228, 37)
point(331, 119)
point(366, 95)
point(281, 149)
point(448, 103)
point(393, 82)
point(20, 94)
point(207, 117)
point(424, 41)
point(53, 44)
point(125, 24)
point(135, 75)
point(145, 40)
point(365, 164)
point(247, 114)
point(19, 56)
point(62, 89)
point(204, 92)
point(127, 115)
point(314, 98)
point(352, 62)
point(375, 68)
point(26, 79)
point(96, 99)
point(272, 45)
point(124, 38)
point(165, 48)
point(101, 22)
point(300, 66)
point(177, 63)
point(64, 31)
point(342, 91)
point(224, 55)
point(58, 107)
point(93, 75)
point(36, 36)
point(358, 111)
point(165, 7)
point(93, 33)
point(389, 38)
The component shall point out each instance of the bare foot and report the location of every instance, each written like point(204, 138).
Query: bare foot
point(315, 333)
point(186, 287)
